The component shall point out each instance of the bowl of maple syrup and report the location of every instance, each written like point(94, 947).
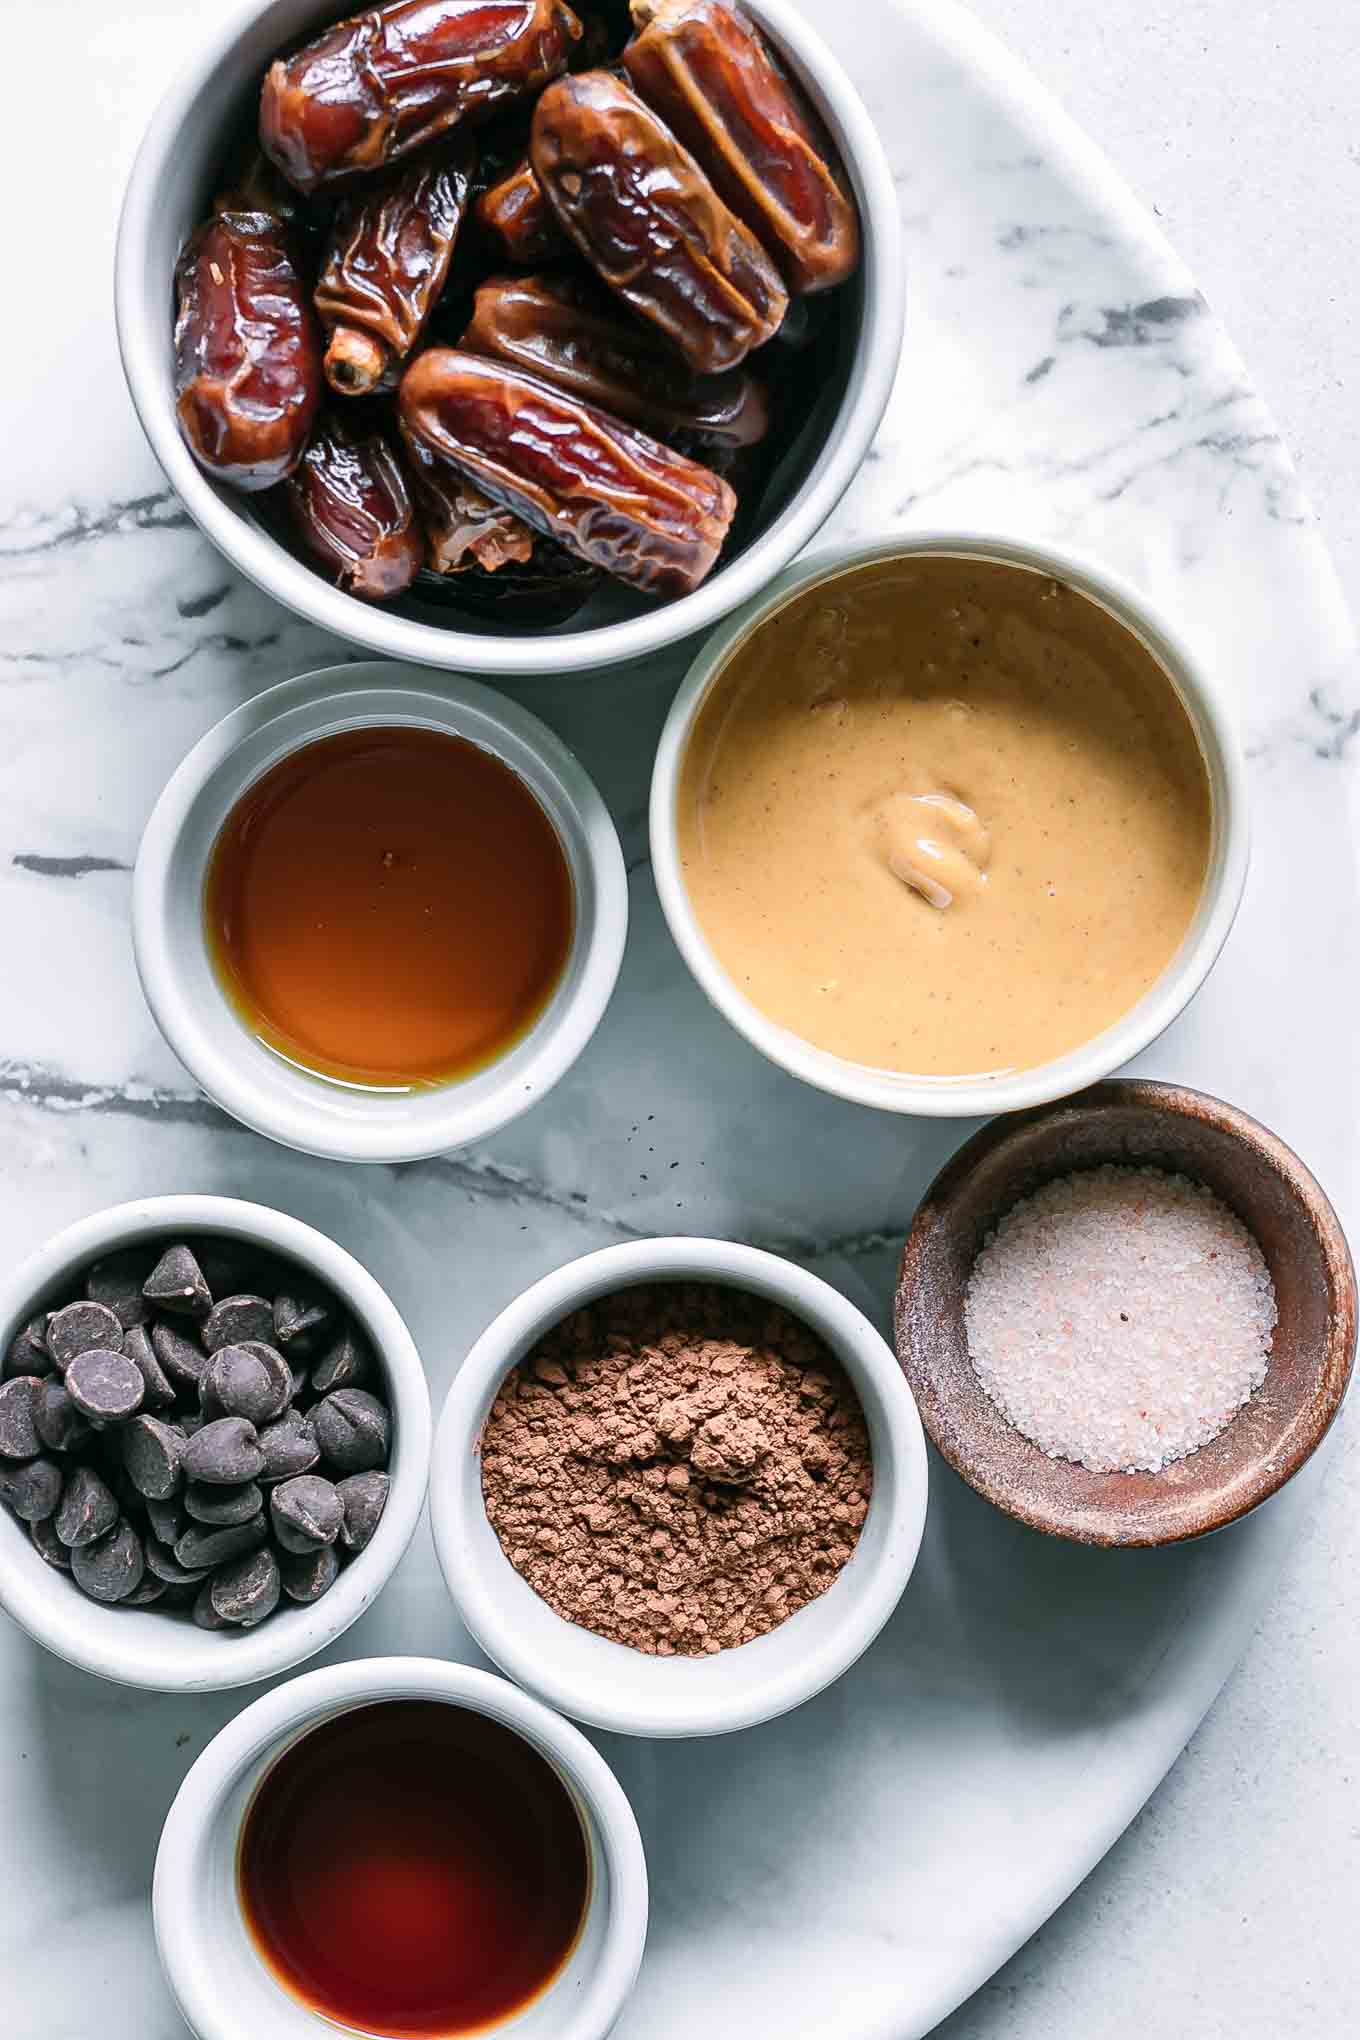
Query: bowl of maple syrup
point(378, 912)
point(404, 1849)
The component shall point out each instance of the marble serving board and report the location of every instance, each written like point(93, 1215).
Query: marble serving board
point(850, 1872)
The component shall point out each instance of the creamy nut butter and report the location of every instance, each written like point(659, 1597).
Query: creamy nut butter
point(943, 816)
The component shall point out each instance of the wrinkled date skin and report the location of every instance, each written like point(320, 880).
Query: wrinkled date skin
point(517, 214)
point(544, 590)
point(648, 221)
point(350, 504)
point(710, 76)
point(463, 527)
point(247, 355)
point(386, 262)
point(571, 336)
point(375, 87)
point(608, 493)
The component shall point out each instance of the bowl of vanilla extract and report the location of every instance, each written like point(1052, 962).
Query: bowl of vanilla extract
point(379, 912)
point(404, 1846)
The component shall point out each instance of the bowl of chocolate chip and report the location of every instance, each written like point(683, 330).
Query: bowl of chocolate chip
point(505, 337)
point(678, 1487)
point(214, 1440)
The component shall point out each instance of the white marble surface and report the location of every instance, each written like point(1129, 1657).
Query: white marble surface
point(848, 1870)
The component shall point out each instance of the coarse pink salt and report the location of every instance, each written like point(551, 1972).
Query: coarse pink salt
point(1120, 1317)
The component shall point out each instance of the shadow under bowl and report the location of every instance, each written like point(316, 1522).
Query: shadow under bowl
point(1135, 1123)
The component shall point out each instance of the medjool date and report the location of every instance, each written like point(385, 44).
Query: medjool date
point(351, 506)
point(710, 75)
point(560, 329)
point(386, 262)
point(463, 527)
point(535, 594)
point(373, 88)
point(515, 211)
point(247, 361)
point(650, 223)
point(609, 493)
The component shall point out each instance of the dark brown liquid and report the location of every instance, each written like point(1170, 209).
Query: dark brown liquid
point(413, 1869)
point(389, 907)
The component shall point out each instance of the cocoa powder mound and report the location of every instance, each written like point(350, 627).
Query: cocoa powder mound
point(678, 1467)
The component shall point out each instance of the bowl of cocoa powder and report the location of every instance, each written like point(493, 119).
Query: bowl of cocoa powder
point(678, 1487)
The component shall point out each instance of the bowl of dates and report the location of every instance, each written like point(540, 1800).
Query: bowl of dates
point(508, 335)
point(214, 1442)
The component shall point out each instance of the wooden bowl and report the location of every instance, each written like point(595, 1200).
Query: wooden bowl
point(1160, 1125)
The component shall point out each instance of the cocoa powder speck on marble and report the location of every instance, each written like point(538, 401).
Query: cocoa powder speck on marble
point(678, 1467)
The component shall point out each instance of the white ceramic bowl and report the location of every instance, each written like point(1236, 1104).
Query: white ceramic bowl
point(260, 1088)
point(223, 1988)
point(172, 182)
point(144, 1646)
point(1207, 704)
point(608, 1684)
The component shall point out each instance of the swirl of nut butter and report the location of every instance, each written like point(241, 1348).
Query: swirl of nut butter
point(934, 843)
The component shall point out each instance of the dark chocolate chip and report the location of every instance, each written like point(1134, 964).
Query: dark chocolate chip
point(244, 1593)
point(117, 1281)
point(305, 1512)
point(105, 1386)
point(237, 1267)
point(32, 1490)
point(236, 1319)
point(182, 1360)
point(205, 1615)
point(302, 1318)
point(247, 1381)
point(167, 1519)
point(348, 1363)
point(222, 1505)
point(179, 1596)
point(352, 1429)
point(18, 1430)
point(200, 1547)
point(224, 1453)
point(363, 1497)
point(82, 1328)
point(111, 1567)
point(176, 1283)
point(106, 1456)
point(56, 1419)
point(270, 1357)
point(289, 1446)
point(308, 1575)
point(192, 1422)
point(27, 1353)
point(88, 1508)
point(142, 1595)
point(48, 1545)
point(160, 1390)
point(153, 1454)
point(161, 1560)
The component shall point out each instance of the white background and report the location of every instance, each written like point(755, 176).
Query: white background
point(1229, 1911)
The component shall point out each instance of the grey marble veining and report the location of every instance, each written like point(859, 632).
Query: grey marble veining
point(857, 1868)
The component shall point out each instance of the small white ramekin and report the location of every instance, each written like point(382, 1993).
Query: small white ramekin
point(223, 1988)
point(608, 1684)
point(181, 986)
point(144, 1646)
point(178, 167)
point(1207, 704)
